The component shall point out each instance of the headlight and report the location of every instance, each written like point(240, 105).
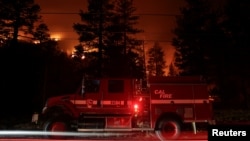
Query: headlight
point(35, 118)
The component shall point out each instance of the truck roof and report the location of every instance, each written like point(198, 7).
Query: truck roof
point(176, 79)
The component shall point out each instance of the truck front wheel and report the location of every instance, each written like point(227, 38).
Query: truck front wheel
point(168, 129)
point(56, 125)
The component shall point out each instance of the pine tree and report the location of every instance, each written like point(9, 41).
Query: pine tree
point(92, 30)
point(215, 43)
point(236, 58)
point(107, 34)
point(41, 33)
point(17, 17)
point(196, 35)
point(122, 44)
point(156, 63)
point(172, 70)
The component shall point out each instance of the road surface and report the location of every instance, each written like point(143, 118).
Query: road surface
point(76, 136)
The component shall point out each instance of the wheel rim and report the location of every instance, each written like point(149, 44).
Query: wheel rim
point(58, 126)
point(168, 130)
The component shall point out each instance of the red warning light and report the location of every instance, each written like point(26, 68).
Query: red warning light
point(136, 107)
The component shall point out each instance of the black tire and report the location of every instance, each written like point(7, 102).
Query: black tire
point(56, 125)
point(168, 129)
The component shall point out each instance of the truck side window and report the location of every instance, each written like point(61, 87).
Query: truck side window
point(115, 86)
point(92, 86)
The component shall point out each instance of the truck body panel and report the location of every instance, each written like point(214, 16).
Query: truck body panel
point(186, 96)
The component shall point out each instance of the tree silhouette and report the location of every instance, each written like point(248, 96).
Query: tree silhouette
point(124, 50)
point(213, 41)
point(192, 34)
point(107, 35)
point(156, 63)
point(41, 33)
point(92, 29)
point(172, 70)
point(17, 18)
point(237, 64)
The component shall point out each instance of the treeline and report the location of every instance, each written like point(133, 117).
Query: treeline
point(34, 68)
point(212, 39)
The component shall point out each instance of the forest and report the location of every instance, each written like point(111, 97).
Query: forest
point(210, 40)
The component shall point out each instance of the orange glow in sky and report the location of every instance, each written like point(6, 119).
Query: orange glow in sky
point(157, 19)
point(56, 37)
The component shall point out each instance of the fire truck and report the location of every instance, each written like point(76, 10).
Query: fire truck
point(124, 105)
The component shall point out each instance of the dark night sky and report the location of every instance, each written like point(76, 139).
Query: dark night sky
point(156, 19)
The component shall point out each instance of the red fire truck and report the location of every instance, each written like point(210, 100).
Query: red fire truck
point(117, 104)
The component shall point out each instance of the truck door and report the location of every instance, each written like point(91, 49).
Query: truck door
point(115, 103)
point(92, 94)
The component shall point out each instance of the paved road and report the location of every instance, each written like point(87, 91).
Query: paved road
point(72, 136)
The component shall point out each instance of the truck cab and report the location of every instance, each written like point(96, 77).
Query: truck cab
point(102, 105)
